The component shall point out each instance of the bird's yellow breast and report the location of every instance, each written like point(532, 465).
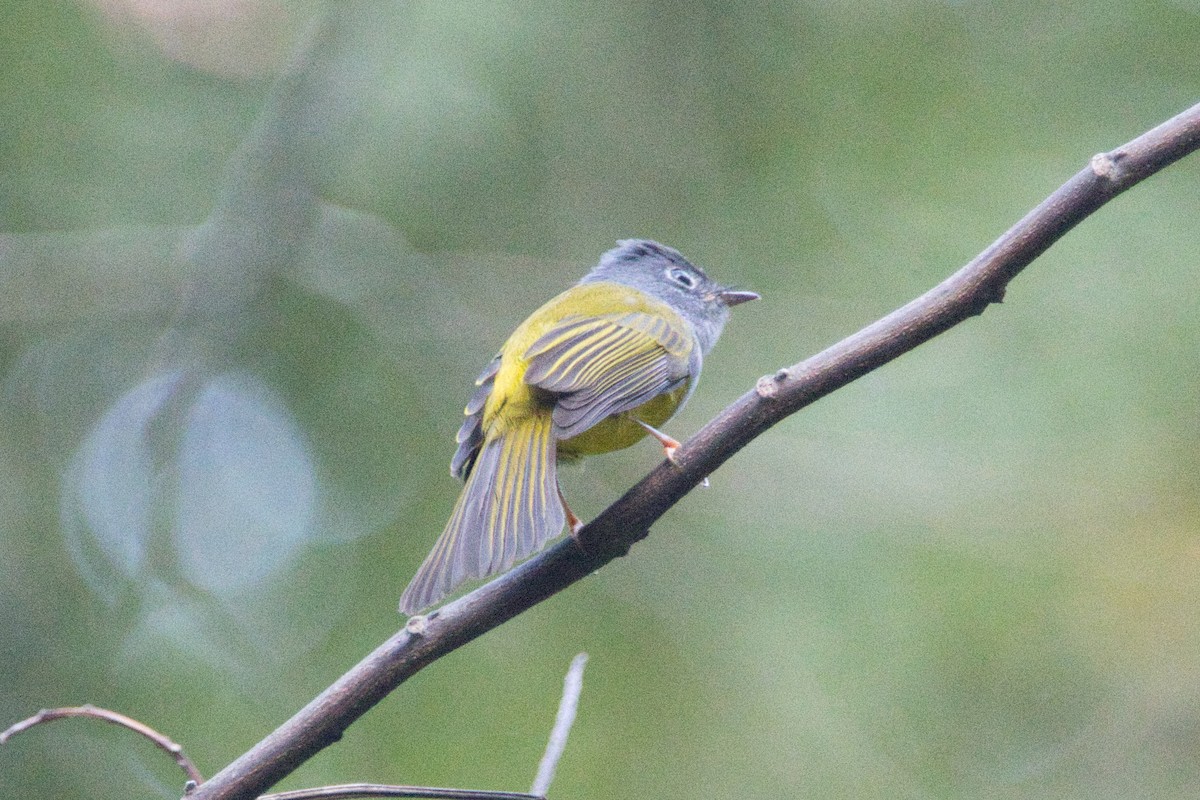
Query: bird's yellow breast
point(621, 431)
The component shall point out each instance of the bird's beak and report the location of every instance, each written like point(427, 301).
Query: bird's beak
point(732, 297)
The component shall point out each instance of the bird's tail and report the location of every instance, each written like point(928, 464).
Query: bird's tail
point(507, 510)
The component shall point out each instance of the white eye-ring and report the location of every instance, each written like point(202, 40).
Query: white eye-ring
point(681, 276)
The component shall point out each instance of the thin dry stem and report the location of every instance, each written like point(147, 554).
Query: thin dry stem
point(93, 712)
point(572, 688)
point(382, 790)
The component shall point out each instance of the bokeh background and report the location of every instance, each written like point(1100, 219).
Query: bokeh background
point(241, 304)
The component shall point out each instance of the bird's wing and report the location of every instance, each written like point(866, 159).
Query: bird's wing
point(604, 365)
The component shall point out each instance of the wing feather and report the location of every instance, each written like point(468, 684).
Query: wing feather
point(470, 435)
point(604, 365)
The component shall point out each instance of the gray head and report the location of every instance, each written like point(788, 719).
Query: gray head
point(662, 272)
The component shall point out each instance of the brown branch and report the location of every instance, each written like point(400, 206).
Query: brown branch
point(51, 714)
point(964, 294)
point(382, 790)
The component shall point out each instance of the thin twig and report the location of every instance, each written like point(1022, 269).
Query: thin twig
point(572, 687)
point(382, 790)
point(567, 707)
point(964, 294)
point(164, 743)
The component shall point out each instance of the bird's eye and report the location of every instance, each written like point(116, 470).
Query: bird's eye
point(681, 276)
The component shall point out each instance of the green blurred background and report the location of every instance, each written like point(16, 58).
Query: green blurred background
point(239, 320)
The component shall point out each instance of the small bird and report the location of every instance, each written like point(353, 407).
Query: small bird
point(594, 370)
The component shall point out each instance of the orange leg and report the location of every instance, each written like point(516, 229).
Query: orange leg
point(669, 445)
point(573, 522)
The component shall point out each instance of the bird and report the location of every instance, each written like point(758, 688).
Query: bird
point(595, 369)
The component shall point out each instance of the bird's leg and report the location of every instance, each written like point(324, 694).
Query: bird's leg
point(669, 444)
point(573, 522)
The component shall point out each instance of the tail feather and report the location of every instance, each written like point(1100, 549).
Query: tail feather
point(507, 510)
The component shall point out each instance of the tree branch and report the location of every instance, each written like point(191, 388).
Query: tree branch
point(360, 790)
point(964, 294)
point(93, 712)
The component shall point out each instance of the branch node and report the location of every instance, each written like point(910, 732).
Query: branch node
point(417, 625)
point(996, 295)
point(768, 385)
point(1104, 165)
